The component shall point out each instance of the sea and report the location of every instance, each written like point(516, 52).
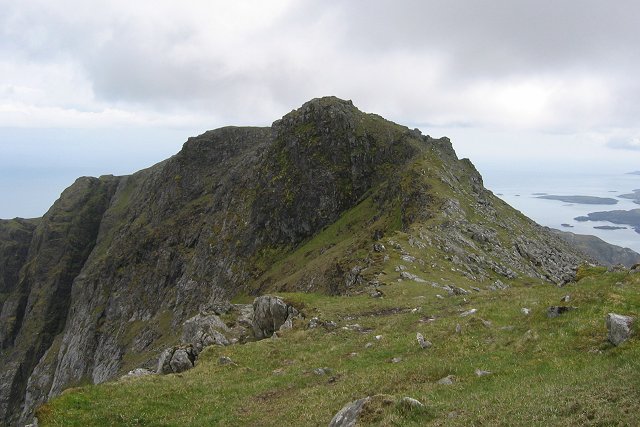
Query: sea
point(521, 189)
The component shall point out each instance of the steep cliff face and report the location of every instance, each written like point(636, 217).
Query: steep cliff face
point(36, 311)
point(118, 264)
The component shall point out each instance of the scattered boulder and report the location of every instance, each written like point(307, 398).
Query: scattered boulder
point(565, 298)
point(423, 343)
point(138, 372)
point(356, 327)
point(455, 290)
point(269, 314)
point(408, 258)
point(408, 276)
point(182, 359)
point(525, 311)
point(458, 328)
point(411, 403)
point(379, 247)
point(498, 285)
point(448, 380)
point(322, 371)
point(348, 415)
point(164, 366)
point(481, 373)
point(224, 360)
point(376, 293)
point(619, 328)
point(176, 360)
point(468, 312)
point(555, 310)
point(396, 360)
point(316, 322)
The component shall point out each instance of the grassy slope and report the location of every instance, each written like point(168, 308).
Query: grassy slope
point(545, 371)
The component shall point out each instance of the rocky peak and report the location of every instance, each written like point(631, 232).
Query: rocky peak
point(325, 156)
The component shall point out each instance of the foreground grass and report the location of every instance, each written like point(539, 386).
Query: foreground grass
point(544, 371)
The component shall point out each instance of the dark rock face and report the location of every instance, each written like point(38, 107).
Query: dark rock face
point(35, 313)
point(118, 264)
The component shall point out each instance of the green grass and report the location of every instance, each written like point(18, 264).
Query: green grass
point(544, 371)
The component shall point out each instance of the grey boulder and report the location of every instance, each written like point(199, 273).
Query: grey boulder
point(619, 328)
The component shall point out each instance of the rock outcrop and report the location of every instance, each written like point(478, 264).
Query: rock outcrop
point(371, 410)
point(119, 264)
point(201, 331)
point(176, 359)
point(270, 314)
point(348, 415)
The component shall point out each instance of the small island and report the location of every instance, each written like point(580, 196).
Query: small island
point(635, 196)
point(567, 225)
point(609, 227)
point(630, 217)
point(585, 200)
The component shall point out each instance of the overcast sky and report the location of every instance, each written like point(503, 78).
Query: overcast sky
point(90, 88)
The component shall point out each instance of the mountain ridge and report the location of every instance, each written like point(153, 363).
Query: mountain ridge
point(118, 264)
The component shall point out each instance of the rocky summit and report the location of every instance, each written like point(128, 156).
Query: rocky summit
point(105, 282)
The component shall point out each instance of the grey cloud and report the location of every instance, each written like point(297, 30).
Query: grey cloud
point(129, 62)
point(500, 36)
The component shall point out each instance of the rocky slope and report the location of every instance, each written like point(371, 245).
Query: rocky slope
point(118, 264)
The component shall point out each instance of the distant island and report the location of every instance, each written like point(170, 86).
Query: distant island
point(633, 173)
point(585, 200)
point(609, 227)
point(567, 225)
point(635, 196)
point(630, 217)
